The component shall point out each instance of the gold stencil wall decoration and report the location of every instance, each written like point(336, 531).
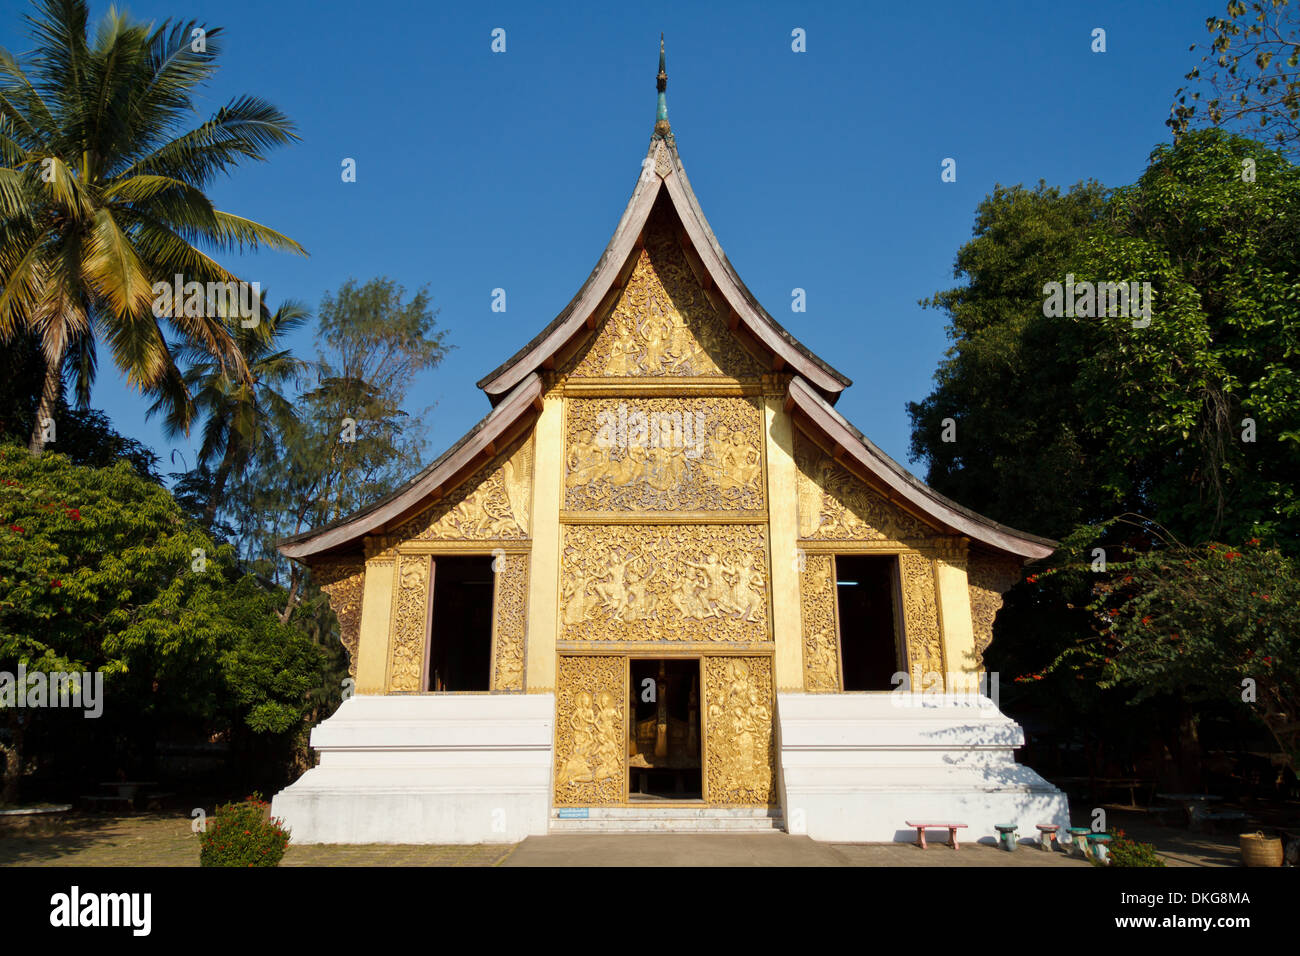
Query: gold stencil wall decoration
point(835, 505)
point(738, 730)
point(664, 583)
point(410, 617)
point(590, 731)
point(343, 582)
point(509, 621)
point(988, 578)
point(920, 617)
point(663, 324)
point(664, 454)
point(819, 610)
point(493, 505)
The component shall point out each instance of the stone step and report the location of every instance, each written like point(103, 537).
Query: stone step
point(696, 819)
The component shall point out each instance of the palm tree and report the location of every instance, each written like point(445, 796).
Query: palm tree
point(241, 413)
point(101, 196)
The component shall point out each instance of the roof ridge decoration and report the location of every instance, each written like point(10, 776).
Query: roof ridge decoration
point(662, 129)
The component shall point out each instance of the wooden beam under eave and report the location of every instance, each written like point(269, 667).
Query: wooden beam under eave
point(733, 319)
point(778, 363)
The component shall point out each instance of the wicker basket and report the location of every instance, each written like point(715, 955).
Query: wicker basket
point(1259, 850)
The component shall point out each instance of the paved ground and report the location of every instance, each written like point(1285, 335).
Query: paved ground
point(165, 839)
point(758, 849)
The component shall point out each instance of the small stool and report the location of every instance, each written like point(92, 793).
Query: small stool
point(1047, 836)
point(1006, 835)
point(1097, 843)
point(1079, 841)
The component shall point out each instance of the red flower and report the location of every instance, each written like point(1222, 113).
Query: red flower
point(56, 582)
point(1253, 541)
point(1038, 677)
point(74, 514)
point(14, 527)
point(1232, 554)
point(1268, 660)
point(1147, 619)
point(1032, 578)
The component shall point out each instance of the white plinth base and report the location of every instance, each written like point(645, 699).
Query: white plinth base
point(426, 769)
point(856, 767)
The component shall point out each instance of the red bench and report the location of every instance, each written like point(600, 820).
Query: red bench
point(952, 829)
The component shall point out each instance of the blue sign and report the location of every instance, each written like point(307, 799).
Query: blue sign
point(573, 813)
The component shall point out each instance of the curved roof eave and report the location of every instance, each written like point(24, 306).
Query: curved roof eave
point(907, 486)
point(573, 318)
point(347, 531)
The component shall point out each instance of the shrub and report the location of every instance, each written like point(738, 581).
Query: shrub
point(243, 834)
point(1126, 852)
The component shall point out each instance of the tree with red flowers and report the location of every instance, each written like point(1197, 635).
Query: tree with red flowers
point(1208, 622)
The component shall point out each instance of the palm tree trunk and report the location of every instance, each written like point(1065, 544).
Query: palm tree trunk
point(219, 482)
point(50, 395)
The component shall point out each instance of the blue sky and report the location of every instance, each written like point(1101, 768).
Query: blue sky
point(818, 170)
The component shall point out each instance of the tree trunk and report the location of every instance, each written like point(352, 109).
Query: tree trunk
point(13, 755)
point(295, 581)
point(219, 482)
point(50, 395)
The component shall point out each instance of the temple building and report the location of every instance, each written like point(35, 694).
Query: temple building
point(662, 585)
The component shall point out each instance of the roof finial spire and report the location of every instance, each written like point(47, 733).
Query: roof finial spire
point(662, 129)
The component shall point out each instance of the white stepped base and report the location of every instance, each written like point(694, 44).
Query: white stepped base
point(426, 769)
point(670, 820)
point(856, 767)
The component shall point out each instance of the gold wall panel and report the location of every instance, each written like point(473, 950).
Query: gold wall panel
point(664, 583)
point(590, 731)
point(819, 610)
point(835, 505)
point(343, 582)
point(920, 617)
point(663, 324)
point(664, 454)
point(410, 617)
point(493, 505)
point(509, 621)
point(740, 750)
point(988, 578)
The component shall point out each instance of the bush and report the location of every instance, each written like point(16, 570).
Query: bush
point(1126, 852)
point(243, 834)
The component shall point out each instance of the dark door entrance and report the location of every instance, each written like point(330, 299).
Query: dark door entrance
point(460, 639)
point(868, 620)
point(664, 730)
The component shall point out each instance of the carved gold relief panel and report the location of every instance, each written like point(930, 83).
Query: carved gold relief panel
point(740, 751)
point(664, 583)
point(493, 505)
point(920, 616)
point(818, 606)
point(664, 454)
point(663, 324)
point(343, 582)
point(590, 731)
point(988, 578)
point(835, 505)
point(509, 621)
point(410, 622)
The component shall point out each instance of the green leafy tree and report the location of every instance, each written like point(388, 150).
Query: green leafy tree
point(1253, 59)
point(1020, 456)
point(102, 195)
point(100, 571)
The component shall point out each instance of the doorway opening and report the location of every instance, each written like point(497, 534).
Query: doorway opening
point(866, 588)
point(664, 730)
point(460, 636)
